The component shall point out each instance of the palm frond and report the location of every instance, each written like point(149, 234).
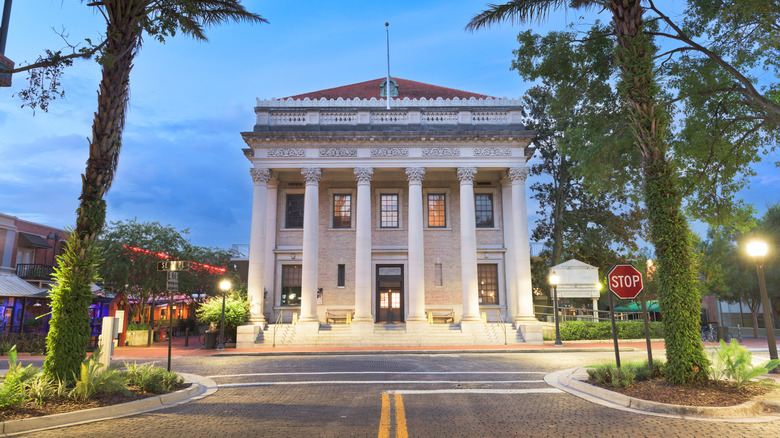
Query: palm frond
point(522, 11)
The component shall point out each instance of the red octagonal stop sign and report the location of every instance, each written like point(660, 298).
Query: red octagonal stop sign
point(625, 281)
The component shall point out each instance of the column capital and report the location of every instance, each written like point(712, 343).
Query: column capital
point(364, 174)
point(518, 174)
point(311, 175)
point(415, 174)
point(260, 175)
point(467, 174)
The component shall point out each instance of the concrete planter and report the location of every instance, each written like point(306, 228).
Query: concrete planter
point(137, 338)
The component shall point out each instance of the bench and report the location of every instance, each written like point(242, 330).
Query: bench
point(441, 316)
point(338, 317)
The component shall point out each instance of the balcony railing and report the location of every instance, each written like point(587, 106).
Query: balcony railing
point(34, 271)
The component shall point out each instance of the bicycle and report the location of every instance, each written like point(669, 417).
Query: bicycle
point(708, 334)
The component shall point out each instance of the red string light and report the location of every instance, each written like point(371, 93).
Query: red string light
point(162, 255)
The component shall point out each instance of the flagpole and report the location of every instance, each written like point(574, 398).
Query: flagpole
point(387, 84)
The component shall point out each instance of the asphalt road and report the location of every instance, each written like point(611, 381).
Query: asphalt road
point(398, 395)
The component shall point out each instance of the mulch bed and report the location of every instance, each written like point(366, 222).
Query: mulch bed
point(715, 393)
point(51, 407)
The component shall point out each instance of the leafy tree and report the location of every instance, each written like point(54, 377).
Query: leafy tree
point(729, 274)
point(575, 107)
point(126, 23)
point(236, 311)
point(669, 232)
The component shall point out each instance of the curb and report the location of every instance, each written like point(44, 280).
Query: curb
point(426, 352)
point(572, 381)
point(201, 387)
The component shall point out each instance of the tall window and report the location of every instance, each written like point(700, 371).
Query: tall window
point(294, 214)
point(341, 276)
point(483, 203)
point(388, 204)
point(487, 277)
point(291, 285)
point(342, 211)
point(437, 211)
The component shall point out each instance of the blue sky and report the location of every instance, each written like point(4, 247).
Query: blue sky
point(181, 162)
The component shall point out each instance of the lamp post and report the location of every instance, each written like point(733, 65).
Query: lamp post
point(554, 279)
point(758, 249)
point(224, 285)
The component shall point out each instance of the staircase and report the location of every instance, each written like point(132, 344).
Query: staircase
point(390, 335)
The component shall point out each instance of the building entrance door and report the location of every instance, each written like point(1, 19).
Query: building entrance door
point(390, 293)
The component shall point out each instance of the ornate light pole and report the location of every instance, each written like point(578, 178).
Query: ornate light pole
point(554, 279)
point(224, 285)
point(758, 249)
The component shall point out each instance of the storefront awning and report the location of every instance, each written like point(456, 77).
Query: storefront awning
point(13, 286)
point(31, 240)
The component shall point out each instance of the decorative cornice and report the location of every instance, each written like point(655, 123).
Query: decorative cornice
point(518, 174)
point(338, 152)
point(311, 175)
point(364, 174)
point(260, 175)
point(415, 174)
point(441, 152)
point(389, 152)
point(467, 174)
point(286, 152)
point(492, 152)
point(374, 102)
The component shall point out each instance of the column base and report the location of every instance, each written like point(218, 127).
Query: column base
point(362, 325)
point(308, 326)
point(416, 325)
point(257, 320)
point(531, 331)
point(247, 335)
point(525, 319)
point(471, 325)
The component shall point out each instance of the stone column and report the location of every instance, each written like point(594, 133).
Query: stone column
point(522, 246)
point(524, 319)
point(363, 315)
point(270, 243)
point(509, 260)
point(257, 248)
point(468, 245)
point(310, 262)
point(595, 309)
point(416, 252)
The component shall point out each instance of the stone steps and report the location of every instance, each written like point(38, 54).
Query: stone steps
point(390, 335)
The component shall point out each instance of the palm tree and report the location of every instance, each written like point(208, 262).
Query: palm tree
point(679, 300)
point(126, 22)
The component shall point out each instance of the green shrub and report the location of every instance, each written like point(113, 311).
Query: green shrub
point(12, 391)
point(92, 379)
point(137, 326)
point(236, 312)
point(734, 362)
point(149, 378)
point(587, 330)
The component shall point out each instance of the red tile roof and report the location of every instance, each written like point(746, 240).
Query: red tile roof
point(406, 88)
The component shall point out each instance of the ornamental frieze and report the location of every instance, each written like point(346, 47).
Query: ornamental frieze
point(286, 152)
point(389, 152)
point(338, 152)
point(492, 152)
point(441, 152)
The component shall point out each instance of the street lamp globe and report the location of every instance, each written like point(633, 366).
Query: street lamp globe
point(554, 280)
point(757, 248)
point(225, 285)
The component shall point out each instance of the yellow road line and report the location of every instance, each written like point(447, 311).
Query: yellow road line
point(400, 418)
point(384, 419)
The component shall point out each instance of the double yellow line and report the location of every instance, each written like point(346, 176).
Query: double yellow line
point(385, 421)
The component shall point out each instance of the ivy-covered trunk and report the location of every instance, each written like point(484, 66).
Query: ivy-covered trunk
point(679, 298)
point(70, 332)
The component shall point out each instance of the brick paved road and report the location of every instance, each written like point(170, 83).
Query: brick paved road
point(342, 396)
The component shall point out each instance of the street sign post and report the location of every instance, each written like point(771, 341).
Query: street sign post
point(173, 281)
point(625, 281)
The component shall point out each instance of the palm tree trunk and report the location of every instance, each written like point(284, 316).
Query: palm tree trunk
point(69, 334)
point(679, 297)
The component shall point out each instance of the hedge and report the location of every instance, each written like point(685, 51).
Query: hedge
point(584, 330)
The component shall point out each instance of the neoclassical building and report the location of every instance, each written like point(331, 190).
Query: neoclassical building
point(411, 212)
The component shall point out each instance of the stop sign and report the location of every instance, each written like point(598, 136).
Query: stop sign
point(625, 281)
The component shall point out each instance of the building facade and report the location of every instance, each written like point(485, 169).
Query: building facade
point(391, 212)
